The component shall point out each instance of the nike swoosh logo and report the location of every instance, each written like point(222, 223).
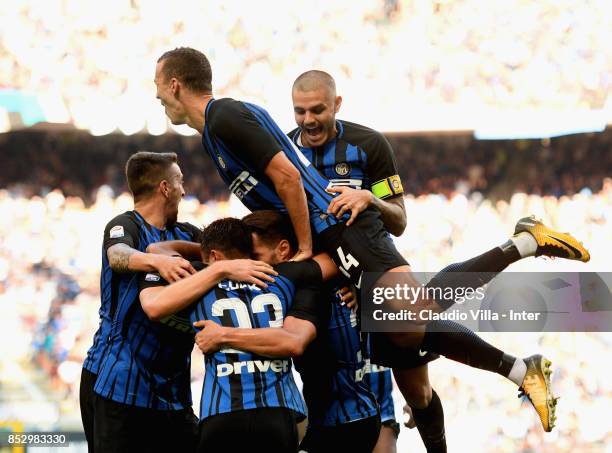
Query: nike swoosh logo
point(573, 249)
point(422, 353)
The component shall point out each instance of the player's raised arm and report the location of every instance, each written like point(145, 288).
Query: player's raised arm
point(160, 302)
point(288, 184)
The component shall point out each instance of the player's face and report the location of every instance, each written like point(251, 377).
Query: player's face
point(315, 113)
point(167, 94)
point(264, 252)
point(176, 192)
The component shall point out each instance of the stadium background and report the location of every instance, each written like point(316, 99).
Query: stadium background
point(478, 99)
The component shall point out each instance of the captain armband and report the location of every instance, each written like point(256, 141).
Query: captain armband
point(388, 187)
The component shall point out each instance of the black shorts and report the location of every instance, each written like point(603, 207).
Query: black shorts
point(120, 428)
point(354, 437)
point(86, 401)
point(269, 429)
point(365, 246)
point(384, 352)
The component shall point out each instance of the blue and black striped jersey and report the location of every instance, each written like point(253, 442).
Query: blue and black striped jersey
point(242, 138)
point(379, 381)
point(361, 158)
point(332, 371)
point(140, 362)
point(358, 157)
point(237, 380)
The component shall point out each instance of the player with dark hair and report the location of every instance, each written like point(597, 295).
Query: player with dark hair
point(249, 401)
point(260, 165)
point(155, 180)
point(126, 393)
point(342, 411)
point(252, 154)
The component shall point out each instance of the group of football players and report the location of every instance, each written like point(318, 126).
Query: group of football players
point(277, 289)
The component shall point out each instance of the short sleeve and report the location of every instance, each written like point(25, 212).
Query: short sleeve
point(236, 125)
point(123, 229)
point(308, 304)
point(381, 168)
point(301, 273)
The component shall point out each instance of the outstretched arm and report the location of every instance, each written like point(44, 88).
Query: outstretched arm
point(123, 258)
point(160, 302)
point(289, 341)
point(185, 249)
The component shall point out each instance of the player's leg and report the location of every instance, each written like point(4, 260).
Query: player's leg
point(263, 429)
point(426, 406)
point(387, 438)
point(86, 400)
point(119, 428)
point(359, 436)
point(178, 430)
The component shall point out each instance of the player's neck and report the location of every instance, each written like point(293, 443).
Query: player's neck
point(152, 213)
point(196, 109)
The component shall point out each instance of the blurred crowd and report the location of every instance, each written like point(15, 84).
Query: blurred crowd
point(78, 163)
point(49, 297)
point(515, 54)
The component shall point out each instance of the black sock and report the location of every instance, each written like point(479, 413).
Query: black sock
point(474, 272)
point(430, 423)
point(456, 342)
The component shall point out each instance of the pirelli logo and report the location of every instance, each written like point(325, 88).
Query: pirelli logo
point(388, 187)
point(252, 366)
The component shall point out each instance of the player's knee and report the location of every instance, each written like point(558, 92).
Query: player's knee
point(418, 395)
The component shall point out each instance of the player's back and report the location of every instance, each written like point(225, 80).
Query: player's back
point(237, 380)
point(143, 363)
point(241, 139)
point(333, 368)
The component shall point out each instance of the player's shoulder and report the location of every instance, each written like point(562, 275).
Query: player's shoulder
point(189, 228)
point(299, 271)
point(127, 217)
point(360, 135)
point(293, 134)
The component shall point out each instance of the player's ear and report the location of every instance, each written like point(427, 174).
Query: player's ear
point(283, 250)
point(174, 86)
point(338, 103)
point(164, 188)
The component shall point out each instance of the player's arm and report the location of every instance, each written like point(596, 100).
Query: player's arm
point(158, 303)
point(299, 328)
point(121, 237)
point(386, 191)
point(288, 184)
point(289, 341)
point(185, 249)
point(237, 125)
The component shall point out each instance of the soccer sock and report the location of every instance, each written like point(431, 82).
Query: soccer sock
point(525, 244)
point(474, 272)
point(458, 343)
point(518, 371)
point(430, 423)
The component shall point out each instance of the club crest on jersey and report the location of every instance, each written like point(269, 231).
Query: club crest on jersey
point(343, 168)
point(116, 232)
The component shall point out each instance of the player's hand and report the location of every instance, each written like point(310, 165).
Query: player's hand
point(348, 297)
point(172, 268)
point(248, 271)
point(302, 255)
point(355, 201)
point(210, 338)
point(408, 417)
